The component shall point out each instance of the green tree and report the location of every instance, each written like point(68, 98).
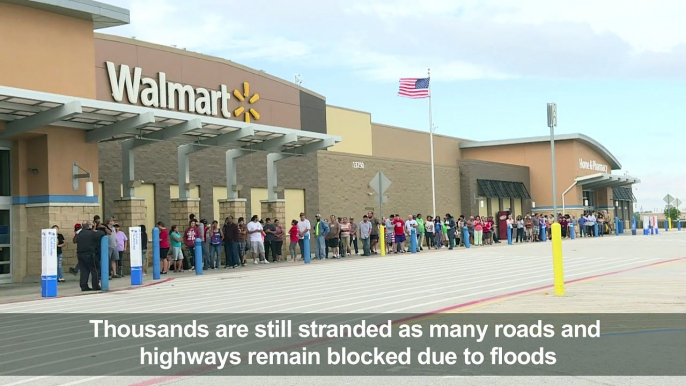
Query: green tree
point(672, 213)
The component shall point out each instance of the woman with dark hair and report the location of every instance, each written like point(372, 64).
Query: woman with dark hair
point(176, 245)
point(164, 248)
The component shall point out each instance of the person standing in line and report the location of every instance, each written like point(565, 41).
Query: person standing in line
point(269, 237)
point(460, 231)
point(374, 237)
point(60, 245)
point(353, 236)
point(294, 239)
point(164, 248)
point(421, 230)
point(230, 233)
point(255, 232)
point(429, 229)
point(365, 234)
point(411, 224)
point(478, 231)
point(242, 240)
point(112, 253)
point(77, 230)
point(277, 247)
point(122, 242)
point(398, 234)
point(86, 242)
point(176, 248)
point(215, 237)
point(304, 228)
point(451, 226)
point(191, 233)
point(389, 232)
point(438, 232)
point(345, 237)
point(527, 227)
point(321, 228)
point(520, 230)
point(487, 232)
point(334, 235)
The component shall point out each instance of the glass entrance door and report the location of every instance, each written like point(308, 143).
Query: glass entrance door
point(5, 218)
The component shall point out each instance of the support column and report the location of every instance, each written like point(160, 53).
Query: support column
point(184, 171)
point(274, 209)
point(232, 186)
point(272, 173)
point(129, 212)
point(181, 209)
point(232, 207)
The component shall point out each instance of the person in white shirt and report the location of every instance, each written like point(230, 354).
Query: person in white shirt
point(303, 229)
point(256, 243)
point(410, 224)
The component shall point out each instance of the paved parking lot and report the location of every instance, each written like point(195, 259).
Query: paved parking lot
point(440, 281)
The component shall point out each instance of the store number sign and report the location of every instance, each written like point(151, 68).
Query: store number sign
point(358, 165)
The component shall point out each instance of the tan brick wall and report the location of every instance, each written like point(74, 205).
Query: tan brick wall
point(273, 209)
point(28, 238)
point(344, 190)
point(181, 209)
point(235, 208)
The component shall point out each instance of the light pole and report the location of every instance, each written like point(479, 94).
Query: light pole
point(552, 122)
point(555, 228)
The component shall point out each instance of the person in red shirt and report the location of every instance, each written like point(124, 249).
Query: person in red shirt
point(294, 238)
point(192, 233)
point(399, 234)
point(487, 233)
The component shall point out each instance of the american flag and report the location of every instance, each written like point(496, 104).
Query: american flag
point(414, 88)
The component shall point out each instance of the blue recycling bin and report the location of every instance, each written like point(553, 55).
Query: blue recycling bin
point(572, 232)
point(465, 237)
point(543, 233)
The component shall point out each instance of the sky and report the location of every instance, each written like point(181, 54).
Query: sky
point(616, 71)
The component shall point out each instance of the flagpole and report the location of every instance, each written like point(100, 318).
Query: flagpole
point(431, 139)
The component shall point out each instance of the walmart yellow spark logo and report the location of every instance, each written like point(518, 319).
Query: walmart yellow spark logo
point(252, 99)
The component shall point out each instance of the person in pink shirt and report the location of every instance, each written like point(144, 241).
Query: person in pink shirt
point(478, 231)
point(164, 248)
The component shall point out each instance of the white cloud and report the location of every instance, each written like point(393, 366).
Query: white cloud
point(469, 39)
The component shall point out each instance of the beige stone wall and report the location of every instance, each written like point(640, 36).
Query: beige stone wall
point(235, 208)
point(181, 209)
point(344, 191)
point(28, 237)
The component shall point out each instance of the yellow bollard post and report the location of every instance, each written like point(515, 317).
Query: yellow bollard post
point(382, 239)
point(670, 223)
point(556, 231)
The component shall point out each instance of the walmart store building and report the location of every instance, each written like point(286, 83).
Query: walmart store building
point(99, 124)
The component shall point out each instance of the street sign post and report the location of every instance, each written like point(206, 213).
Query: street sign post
point(668, 199)
point(677, 203)
point(380, 184)
point(556, 230)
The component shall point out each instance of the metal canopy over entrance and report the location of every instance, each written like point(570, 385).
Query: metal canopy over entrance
point(603, 180)
point(27, 110)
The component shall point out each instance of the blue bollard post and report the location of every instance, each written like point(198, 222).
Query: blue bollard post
point(595, 229)
point(465, 237)
point(666, 225)
point(543, 233)
point(633, 226)
point(413, 240)
point(104, 264)
point(306, 248)
point(156, 253)
point(678, 225)
point(616, 226)
point(657, 227)
point(572, 232)
point(198, 257)
point(509, 235)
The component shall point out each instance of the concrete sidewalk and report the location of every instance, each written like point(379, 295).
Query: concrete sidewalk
point(657, 289)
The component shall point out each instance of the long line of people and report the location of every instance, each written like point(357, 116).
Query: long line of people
point(232, 243)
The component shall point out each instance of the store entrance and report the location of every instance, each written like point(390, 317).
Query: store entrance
point(5, 218)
